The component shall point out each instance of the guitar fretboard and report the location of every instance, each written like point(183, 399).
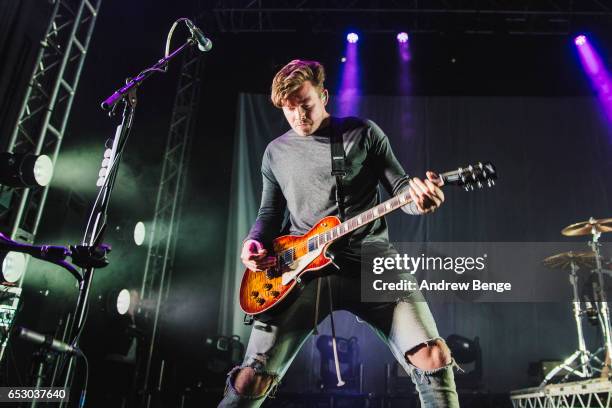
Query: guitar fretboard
point(350, 225)
point(360, 220)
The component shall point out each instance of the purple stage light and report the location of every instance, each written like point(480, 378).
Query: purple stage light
point(597, 72)
point(402, 37)
point(349, 93)
point(352, 38)
point(404, 57)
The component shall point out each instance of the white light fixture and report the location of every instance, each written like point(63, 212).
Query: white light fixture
point(139, 233)
point(13, 266)
point(25, 170)
point(123, 301)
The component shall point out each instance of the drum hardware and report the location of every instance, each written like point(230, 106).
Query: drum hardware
point(571, 260)
point(597, 227)
point(597, 310)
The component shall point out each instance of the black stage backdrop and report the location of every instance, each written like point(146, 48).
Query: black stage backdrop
point(553, 156)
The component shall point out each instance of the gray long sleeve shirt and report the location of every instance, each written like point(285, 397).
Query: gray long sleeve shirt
point(297, 177)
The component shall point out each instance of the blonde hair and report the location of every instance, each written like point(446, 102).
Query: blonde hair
point(292, 76)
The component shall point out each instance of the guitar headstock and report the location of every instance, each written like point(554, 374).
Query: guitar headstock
point(479, 175)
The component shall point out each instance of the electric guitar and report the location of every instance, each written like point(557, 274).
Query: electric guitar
point(296, 255)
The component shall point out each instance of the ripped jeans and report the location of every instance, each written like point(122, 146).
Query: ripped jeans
point(402, 325)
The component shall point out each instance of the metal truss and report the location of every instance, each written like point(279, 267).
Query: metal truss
point(580, 394)
point(162, 240)
point(46, 106)
point(533, 17)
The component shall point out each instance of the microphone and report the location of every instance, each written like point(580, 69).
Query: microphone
point(49, 341)
point(204, 43)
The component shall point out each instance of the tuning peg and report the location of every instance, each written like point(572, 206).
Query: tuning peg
point(490, 182)
point(479, 184)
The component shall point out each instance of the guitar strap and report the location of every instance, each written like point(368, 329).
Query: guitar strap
point(338, 160)
point(338, 171)
point(338, 165)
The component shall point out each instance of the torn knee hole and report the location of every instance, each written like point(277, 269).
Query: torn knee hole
point(251, 383)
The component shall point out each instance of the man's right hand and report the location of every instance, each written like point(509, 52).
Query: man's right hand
point(254, 256)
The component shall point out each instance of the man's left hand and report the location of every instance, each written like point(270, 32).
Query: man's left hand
point(427, 194)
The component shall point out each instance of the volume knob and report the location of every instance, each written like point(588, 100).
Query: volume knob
point(254, 294)
point(260, 301)
point(267, 286)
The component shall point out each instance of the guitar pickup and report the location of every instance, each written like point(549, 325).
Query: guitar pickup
point(272, 273)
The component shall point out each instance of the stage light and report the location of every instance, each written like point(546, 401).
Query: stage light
point(343, 59)
point(223, 353)
point(352, 38)
point(139, 233)
point(468, 354)
point(13, 266)
point(120, 302)
point(464, 350)
point(405, 74)
point(580, 40)
point(347, 102)
point(123, 301)
point(597, 72)
point(25, 170)
point(402, 37)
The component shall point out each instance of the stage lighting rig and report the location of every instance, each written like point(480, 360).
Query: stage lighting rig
point(223, 353)
point(25, 170)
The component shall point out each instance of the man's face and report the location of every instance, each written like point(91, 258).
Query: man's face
point(305, 109)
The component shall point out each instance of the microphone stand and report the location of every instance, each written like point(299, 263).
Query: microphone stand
point(96, 225)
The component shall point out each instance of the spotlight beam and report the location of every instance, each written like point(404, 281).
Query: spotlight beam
point(594, 67)
point(349, 92)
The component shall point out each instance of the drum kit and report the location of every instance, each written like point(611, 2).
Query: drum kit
point(582, 363)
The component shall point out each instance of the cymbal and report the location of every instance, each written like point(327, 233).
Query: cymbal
point(584, 259)
point(586, 227)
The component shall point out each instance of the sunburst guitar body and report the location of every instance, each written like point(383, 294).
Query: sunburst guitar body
point(296, 255)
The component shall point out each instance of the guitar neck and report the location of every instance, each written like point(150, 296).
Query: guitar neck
point(375, 213)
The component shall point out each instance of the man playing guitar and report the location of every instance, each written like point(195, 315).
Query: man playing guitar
point(296, 170)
